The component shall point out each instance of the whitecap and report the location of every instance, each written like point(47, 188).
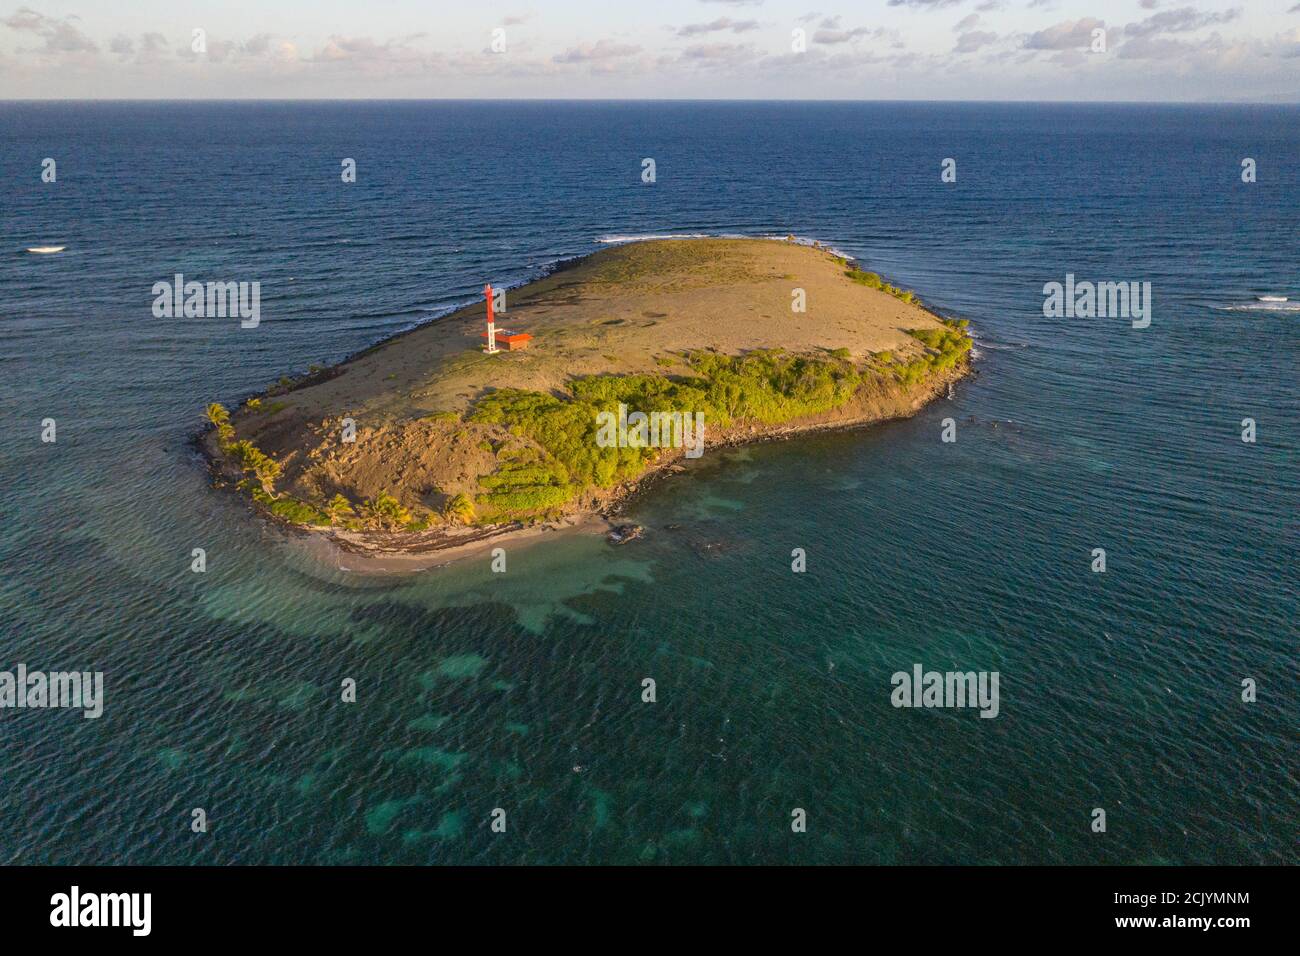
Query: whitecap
point(1260, 307)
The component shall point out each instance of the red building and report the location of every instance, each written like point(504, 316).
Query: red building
point(511, 340)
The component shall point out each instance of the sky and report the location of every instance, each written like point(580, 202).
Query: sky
point(1093, 50)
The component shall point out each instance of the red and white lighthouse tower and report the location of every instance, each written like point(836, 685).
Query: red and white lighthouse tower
point(491, 324)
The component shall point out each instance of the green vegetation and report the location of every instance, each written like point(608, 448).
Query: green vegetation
point(383, 512)
point(529, 484)
point(561, 459)
point(771, 387)
point(459, 509)
point(566, 429)
point(339, 509)
point(387, 512)
point(217, 414)
point(250, 459)
point(944, 348)
point(256, 405)
point(947, 345)
point(873, 281)
point(765, 386)
point(297, 511)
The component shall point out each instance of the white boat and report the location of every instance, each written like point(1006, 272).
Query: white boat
point(1270, 298)
point(45, 250)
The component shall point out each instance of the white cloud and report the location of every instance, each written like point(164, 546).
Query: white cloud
point(1182, 20)
point(924, 4)
point(974, 40)
point(360, 50)
point(60, 36)
point(1066, 35)
point(720, 53)
point(600, 50)
point(717, 26)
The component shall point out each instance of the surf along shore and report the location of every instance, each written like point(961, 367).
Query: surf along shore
point(424, 448)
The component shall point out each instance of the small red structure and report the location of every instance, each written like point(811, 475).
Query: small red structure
point(511, 340)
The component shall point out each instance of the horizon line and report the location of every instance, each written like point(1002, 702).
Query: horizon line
point(634, 99)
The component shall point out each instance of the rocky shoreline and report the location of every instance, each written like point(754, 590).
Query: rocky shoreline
point(400, 550)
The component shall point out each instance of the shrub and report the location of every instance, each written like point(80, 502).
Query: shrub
point(771, 387)
point(527, 501)
point(565, 429)
point(914, 371)
point(873, 281)
point(422, 523)
point(460, 509)
point(952, 340)
point(946, 346)
point(298, 512)
point(767, 386)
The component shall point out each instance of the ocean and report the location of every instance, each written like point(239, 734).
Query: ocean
point(522, 692)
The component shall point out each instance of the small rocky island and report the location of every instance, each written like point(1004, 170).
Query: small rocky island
point(427, 443)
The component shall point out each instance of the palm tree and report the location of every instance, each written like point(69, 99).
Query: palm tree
point(217, 414)
point(339, 508)
point(387, 511)
point(459, 509)
point(266, 469)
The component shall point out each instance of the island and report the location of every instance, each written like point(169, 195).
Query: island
point(613, 369)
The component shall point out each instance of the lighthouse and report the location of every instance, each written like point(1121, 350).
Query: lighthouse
point(514, 341)
point(492, 328)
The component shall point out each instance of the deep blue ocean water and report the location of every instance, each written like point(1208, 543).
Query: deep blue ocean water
point(522, 691)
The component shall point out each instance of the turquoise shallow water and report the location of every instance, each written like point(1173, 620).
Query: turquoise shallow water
point(523, 691)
